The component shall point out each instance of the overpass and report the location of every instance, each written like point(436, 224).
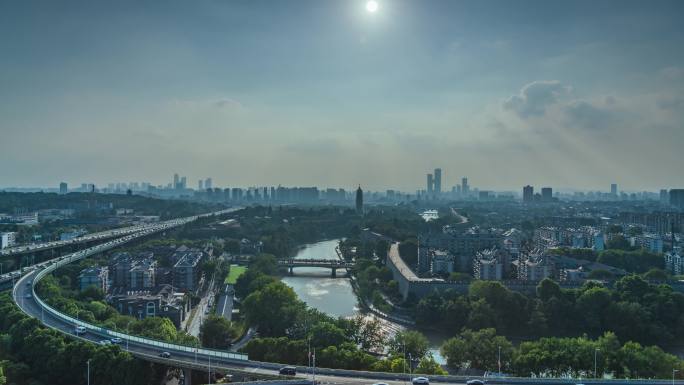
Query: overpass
point(195, 358)
point(332, 264)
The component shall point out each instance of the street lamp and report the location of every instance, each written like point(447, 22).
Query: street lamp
point(673, 375)
point(88, 372)
point(499, 361)
point(128, 334)
point(595, 352)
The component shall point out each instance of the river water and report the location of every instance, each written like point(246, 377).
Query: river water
point(335, 296)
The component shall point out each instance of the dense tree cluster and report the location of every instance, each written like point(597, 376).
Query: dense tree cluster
point(558, 357)
point(36, 355)
point(633, 309)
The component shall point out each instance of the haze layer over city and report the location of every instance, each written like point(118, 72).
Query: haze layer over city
point(341, 192)
point(326, 93)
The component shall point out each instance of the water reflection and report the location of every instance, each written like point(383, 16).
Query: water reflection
point(335, 296)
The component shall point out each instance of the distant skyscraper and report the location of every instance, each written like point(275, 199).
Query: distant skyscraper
point(200, 185)
point(63, 188)
point(184, 182)
point(465, 189)
point(528, 194)
point(664, 198)
point(176, 180)
point(547, 194)
point(430, 184)
point(677, 198)
point(359, 200)
point(438, 181)
point(208, 183)
point(613, 189)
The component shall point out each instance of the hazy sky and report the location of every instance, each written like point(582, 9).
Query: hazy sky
point(322, 92)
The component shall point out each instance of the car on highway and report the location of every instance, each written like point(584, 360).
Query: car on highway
point(420, 381)
point(165, 355)
point(105, 342)
point(116, 340)
point(475, 382)
point(80, 330)
point(288, 371)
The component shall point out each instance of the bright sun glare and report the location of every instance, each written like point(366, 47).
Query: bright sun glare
point(372, 6)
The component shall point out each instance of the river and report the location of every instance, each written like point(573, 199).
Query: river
point(335, 296)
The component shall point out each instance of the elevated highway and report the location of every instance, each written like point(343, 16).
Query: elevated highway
point(193, 358)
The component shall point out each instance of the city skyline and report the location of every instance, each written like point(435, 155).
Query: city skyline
point(327, 93)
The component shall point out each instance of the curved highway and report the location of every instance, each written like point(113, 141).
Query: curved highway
point(187, 357)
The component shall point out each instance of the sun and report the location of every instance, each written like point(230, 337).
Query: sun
point(372, 6)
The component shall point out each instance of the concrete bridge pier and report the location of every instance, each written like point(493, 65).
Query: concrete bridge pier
point(187, 377)
point(291, 270)
point(334, 272)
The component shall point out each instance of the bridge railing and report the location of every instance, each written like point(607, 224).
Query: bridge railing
point(112, 333)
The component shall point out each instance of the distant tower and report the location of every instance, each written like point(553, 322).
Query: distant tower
point(613, 189)
point(438, 181)
point(359, 200)
point(528, 194)
point(465, 189)
point(430, 184)
point(63, 188)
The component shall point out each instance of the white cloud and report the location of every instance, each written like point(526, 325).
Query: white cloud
point(534, 98)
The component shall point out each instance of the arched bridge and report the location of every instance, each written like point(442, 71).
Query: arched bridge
point(332, 264)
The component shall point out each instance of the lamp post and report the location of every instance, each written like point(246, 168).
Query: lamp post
point(88, 371)
point(128, 334)
point(499, 360)
point(410, 362)
point(595, 353)
point(673, 375)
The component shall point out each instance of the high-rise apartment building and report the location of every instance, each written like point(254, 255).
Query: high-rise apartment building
point(359, 200)
point(547, 194)
point(200, 185)
point(208, 183)
point(430, 184)
point(613, 189)
point(465, 189)
point(528, 194)
point(677, 198)
point(63, 188)
point(176, 180)
point(438, 181)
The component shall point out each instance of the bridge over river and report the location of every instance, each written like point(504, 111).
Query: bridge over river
point(332, 264)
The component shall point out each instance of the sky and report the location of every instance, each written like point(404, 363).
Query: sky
point(570, 94)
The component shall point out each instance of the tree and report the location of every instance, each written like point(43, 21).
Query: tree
point(381, 248)
point(478, 349)
point(264, 263)
point(656, 274)
point(217, 332)
point(326, 334)
point(409, 342)
point(428, 365)
point(408, 249)
point(273, 309)
point(618, 242)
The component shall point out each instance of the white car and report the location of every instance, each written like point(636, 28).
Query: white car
point(105, 342)
point(116, 340)
point(420, 381)
point(80, 330)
